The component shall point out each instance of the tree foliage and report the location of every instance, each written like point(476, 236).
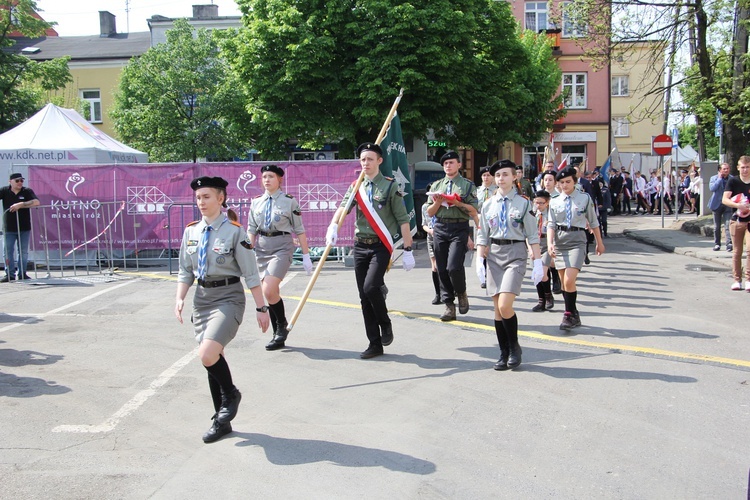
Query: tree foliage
point(24, 84)
point(327, 71)
point(180, 101)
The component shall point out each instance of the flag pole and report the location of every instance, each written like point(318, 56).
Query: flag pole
point(343, 215)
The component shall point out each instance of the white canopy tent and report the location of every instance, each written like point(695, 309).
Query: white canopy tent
point(59, 136)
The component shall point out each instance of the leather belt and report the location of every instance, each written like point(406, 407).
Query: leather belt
point(496, 241)
point(446, 220)
point(571, 228)
point(218, 283)
point(368, 241)
point(272, 233)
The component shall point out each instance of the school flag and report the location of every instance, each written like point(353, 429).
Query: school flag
point(395, 165)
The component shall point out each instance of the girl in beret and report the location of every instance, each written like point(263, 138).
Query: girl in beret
point(216, 251)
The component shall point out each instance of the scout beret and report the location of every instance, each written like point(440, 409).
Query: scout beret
point(369, 146)
point(450, 155)
point(484, 170)
point(567, 172)
point(501, 164)
point(16, 175)
point(214, 182)
point(272, 168)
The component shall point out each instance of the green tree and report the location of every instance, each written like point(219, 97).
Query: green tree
point(180, 101)
point(689, 135)
point(327, 71)
point(24, 84)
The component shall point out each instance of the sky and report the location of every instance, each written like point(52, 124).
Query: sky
point(81, 17)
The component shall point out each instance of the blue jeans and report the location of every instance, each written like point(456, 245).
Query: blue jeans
point(722, 214)
point(22, 240)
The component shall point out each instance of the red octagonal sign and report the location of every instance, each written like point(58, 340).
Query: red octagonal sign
point(662, 145)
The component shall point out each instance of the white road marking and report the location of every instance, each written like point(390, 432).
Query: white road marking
point(66, 306)
point(287, 279)
point(136, 401)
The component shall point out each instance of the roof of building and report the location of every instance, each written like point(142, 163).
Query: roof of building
point(90, 47)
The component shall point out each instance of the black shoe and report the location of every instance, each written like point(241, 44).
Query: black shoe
point(549, 301)
point(483, 285)
point(386, 334)
point(436, 301)
point(25, 277)
point(217, 431)
point(729, 247)
point(586, 260)
point(450, 312)
point(556, 287)
point(230, 403)
point(567, 321)
point(7, 278)
point(279, 338)
point(371, 352)
point(463, 303)
point(514, 356)
point(541, 306)
point(502, 363)
point(576, 319)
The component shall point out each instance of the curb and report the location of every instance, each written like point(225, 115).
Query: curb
point(725, 262)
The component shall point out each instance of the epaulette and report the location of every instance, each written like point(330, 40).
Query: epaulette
point(193, 223)
point(289, 196)
point(389, 178)
point(234, 222)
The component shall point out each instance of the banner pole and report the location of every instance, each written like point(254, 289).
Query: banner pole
point(343, 215)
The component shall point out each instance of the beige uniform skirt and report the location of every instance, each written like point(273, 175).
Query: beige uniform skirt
point(506, 267)
point(218, 312)
point(274, 255)
point(570, 249)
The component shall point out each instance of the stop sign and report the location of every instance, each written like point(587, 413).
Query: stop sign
point(662, 145)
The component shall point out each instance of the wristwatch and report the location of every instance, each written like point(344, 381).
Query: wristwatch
point(407, 249)
point(263, 309)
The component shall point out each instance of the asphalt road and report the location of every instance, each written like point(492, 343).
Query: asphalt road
point(101, 395)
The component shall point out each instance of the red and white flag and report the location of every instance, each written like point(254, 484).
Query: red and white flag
point(563, 164)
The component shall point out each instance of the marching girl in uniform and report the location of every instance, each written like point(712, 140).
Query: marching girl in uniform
point(273, 218)
point(506, 224)
point(543, 288)
point(217, 252)
point(569, 214)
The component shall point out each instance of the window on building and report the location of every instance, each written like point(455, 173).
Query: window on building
point(620, 126)
point(620, 86)
point(92, 105)
point(535, 16)
point(572, 27)
point(574, 90)
point(575, 154)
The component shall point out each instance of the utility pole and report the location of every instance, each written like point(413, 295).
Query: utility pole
point(127, 15)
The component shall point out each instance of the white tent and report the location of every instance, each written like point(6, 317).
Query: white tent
point(59, 136)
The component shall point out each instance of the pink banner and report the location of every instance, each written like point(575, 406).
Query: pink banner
point(80, 201)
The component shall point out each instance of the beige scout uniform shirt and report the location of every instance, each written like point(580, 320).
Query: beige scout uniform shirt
point(520, 221)
point(286, 215)
point(388, 203)
point(229, 253)
point(582, 211)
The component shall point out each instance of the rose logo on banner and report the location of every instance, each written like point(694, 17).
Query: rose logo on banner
point(73, 182)
point(244, 181)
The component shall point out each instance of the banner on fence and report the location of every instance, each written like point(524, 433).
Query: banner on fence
point(76, 194)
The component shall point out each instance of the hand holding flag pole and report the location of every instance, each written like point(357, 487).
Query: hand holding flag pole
point(344, 212)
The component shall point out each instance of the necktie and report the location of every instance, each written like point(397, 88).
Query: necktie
point(202, 252)
point(369, 190)
point(568, 211)
point(269, 205)
point(503, 218)
point(450, 187)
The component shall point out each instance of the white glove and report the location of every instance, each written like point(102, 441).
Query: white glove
point(408, 260)
point(332, 234)
point(538, 272)
point(481, 273)
point(307, 263)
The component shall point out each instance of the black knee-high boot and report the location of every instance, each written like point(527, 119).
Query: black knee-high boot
point(502, 340)
point(511, 329)
point(230, 396)
point(542, 304)
point(280, 332)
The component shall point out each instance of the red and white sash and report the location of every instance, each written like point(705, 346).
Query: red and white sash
point(376, 223)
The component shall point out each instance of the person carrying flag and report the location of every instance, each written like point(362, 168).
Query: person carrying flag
point(381, 215)
point(453, 204)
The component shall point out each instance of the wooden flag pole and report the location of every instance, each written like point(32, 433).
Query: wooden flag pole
point(343, 215)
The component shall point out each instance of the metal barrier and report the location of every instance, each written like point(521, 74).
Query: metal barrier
point(101, 237)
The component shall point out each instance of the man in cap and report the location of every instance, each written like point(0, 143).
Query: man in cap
point(17, 200)
point(451, 232)
point(526, 189)
point(381, 213)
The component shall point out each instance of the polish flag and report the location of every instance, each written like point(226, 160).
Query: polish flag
point(563, 164)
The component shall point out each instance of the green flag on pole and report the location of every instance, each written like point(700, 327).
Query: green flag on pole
point(395, 165)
